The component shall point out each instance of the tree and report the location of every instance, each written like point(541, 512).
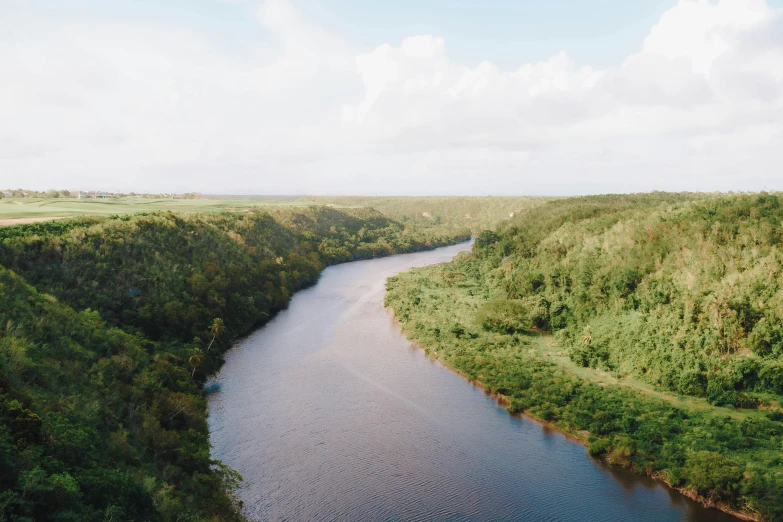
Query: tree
point(216, 329)
point(485, 239)
point(194, 360)
point(587, 338)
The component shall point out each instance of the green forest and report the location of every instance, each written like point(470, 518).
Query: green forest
point(649, 326)
point(109, 327)
point(452, 213)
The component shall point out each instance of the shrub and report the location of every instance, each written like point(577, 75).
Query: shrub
point(713, 475)
point(597, 446)
point(504, 316)
point(559, 315)
point(693, 382)
point(771, 377)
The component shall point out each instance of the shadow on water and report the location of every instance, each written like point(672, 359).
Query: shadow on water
point(330, 413)
point(631, 481)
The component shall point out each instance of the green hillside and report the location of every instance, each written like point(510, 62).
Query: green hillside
point(648, 325)
point(451, 212)
point(108, 329)
point(25, 208)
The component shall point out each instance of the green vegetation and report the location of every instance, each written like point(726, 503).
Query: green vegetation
point(108, 329)
point(25, 208)
point(22, 193)
point(450, 212)
point(666, 345)
point(647, 325)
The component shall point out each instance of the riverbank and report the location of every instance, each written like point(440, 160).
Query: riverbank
point(110, 327)
point(376, 430)
point(618, 424)
point(580, 437)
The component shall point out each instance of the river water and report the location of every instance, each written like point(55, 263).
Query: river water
point(330, 413)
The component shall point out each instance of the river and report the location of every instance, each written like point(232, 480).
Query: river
point(330, 413)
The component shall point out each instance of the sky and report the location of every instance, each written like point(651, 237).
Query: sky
point(412, 97)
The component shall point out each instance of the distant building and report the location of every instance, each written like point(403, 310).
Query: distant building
point(8, 194)
point(93, 194)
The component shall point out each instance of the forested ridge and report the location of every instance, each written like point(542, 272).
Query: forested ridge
point(676, 299)
point(442, 212)
point(108, 329)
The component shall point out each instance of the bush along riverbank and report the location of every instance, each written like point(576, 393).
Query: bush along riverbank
point(645, 325)
point(108, 329)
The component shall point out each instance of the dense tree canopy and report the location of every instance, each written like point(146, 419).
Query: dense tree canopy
point(443, 212)
point(108, 328)
point(667, 346)
point(685, 295)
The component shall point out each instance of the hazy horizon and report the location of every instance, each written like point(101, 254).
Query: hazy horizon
point(257, 195)
point(336, 97)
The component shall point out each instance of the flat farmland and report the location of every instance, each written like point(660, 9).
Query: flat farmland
point(29, 210)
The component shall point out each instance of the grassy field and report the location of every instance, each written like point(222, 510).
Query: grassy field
point(455, 212)
point(13, 210)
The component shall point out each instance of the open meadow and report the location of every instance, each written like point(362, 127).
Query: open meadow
point(475, 213)
point(28, 210)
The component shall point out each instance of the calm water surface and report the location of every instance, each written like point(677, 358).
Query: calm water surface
point(330, 413)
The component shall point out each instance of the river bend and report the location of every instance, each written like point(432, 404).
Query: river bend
point(330, 413)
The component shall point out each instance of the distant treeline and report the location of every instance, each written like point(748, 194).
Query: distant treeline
point(56, 194)
point(446, 212)
point(108, 329)
point(22, 193)
point(255, 197)
point(682, 293)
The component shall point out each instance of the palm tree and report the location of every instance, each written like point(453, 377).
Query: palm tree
point(216, 329)
point(587, 338)
point(194, 360)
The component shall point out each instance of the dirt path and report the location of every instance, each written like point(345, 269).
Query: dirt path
point(547, 348)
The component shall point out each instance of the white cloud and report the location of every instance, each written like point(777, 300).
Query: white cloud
point(699, 106)
point(701, 31)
